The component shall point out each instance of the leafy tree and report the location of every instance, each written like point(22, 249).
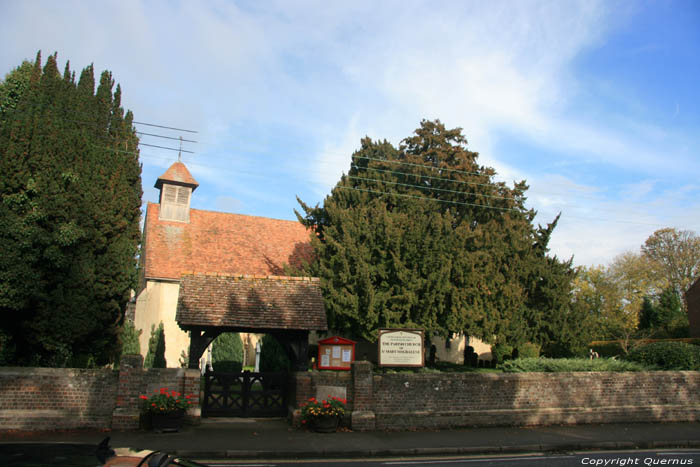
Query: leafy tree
point(676, 254)
point(227, 352)
point(155, 357)
point(70, 198)
point(423, 236)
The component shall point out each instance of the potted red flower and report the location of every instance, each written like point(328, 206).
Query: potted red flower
point(166, 409)
point(323, 416)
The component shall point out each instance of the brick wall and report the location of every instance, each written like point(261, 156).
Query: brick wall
point(52, 398)
point(434, 400)
point(66, 398)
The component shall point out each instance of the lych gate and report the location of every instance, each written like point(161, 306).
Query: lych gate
point(288, 308)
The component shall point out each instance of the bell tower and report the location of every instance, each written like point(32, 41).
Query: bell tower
point(176, 186)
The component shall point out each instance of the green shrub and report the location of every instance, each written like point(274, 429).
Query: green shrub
point(130, 338)
point(227, 353)
point(667, 355)
point(555, 365)
point(528, 350)
point(608, 349)
point(273, 357)
point(501, 352)
point(155, 357)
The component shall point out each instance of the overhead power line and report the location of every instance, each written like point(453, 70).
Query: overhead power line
point(166, 127)
point(163, 147)
point(403, 195)
point(441, 169)
point(166, 137)
point(466, 193)
point(266, 175)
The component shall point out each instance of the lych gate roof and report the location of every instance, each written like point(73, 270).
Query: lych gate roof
point(222, 243)
point(250, 303)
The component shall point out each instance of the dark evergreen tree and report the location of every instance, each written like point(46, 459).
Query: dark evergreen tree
point(227, 353)
point(70, 198)
point(423, 236)
point(273, 357)
point(155, 355)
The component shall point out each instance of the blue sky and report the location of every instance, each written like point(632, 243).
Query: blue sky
point(594, 103)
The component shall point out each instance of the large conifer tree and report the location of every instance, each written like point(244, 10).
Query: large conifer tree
point(70, 196)
point(422, 235)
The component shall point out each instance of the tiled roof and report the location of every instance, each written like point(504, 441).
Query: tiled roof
point(250, 302)
point(222, 243)
point(179, 175)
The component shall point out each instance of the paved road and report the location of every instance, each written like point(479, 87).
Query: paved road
point(596, 459)
point(75, 455)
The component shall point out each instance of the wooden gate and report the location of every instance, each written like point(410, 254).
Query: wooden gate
point(245, 394)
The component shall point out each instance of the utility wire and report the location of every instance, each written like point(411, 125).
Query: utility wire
point(242, 172)
point(489, 207)
point(466, 193)
point(166, 127)
point(163, 147)
point(166, 137)
point(420, 175)
point(441, 169)
point(432, 199)
point(535, 191)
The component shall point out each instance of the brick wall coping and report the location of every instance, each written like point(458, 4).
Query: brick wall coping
point(532, 374)
point(36, 371)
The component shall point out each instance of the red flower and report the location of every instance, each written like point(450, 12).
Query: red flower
point(143, 397)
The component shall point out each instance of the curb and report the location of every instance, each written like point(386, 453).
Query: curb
point(466, 450)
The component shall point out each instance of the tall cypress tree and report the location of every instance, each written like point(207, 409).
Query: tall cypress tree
point(70, 201)
point(422, 235)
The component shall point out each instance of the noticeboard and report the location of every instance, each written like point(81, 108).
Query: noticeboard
point(401, 348)
point(336, 353)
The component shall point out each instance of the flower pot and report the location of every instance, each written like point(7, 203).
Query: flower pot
point(163, 422)
point(326, 424)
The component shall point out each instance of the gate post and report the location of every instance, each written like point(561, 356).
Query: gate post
point(362, 417)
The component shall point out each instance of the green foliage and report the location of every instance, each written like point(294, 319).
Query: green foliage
point(227, 353)
point(130, 338)
point(666, 317)
point(155, 357)
point(7, 351)
point(273, 357)
point(423, 236)
point(70, 200)
point(552, 365)
point(608, 349)
point(528, 350)
point(501, 352)
point(667, 355)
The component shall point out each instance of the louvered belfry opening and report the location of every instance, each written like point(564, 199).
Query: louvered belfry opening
point(175, 203)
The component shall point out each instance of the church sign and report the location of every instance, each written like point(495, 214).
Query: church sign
point(335, 353)
point(401, 347)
